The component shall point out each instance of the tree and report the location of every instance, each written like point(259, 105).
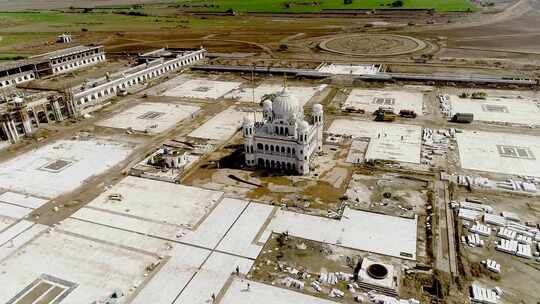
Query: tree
point(397, 3)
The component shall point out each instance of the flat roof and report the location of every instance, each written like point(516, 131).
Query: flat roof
point(66, 52)
point(46, 56)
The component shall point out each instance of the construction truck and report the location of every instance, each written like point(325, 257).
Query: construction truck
point(463, 117)
point(407, 113)
point(385, 114)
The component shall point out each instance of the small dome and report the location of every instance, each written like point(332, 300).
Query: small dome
point(303, 125)
point(317, 108)
point(286, 106)
point(247, 121)
point(267, 104)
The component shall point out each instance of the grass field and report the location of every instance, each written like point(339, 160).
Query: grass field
point(303, 6)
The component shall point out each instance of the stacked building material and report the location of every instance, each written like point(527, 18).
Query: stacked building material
point(494, 219)
point(523, 239)
point(290, 282)
point(524, 251)
point(508, 246)
point(476, 206)
point(506, 233)
point(474, 240)
point(491, 265)
point(480, 229)
point(483, 295)
point(510, 216)
point(445, 105)
point(470, 215)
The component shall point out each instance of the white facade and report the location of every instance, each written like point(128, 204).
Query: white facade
point(131, 77)
point(283, 140)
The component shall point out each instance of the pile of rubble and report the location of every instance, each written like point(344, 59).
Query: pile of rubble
point(445, 105)
point(527, 184)
point(512, 237)
point(436, 143)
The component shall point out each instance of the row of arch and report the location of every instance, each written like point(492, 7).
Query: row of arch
point(282, 131)
point(156, 72)
point(276, 149)
point(275, 164)
point(76, 56)
point(78, 64)
point(22, 78)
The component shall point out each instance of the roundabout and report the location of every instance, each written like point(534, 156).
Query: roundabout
point(373, 45)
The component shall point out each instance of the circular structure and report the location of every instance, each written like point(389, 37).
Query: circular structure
point(377, 271)
point(286, 106)
point(373, 45)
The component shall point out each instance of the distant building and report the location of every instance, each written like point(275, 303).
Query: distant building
point(49, 64)
point(64, 38)
point(20, 117)
point(283, 140)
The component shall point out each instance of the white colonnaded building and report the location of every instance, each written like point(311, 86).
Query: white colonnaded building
point(283, 140)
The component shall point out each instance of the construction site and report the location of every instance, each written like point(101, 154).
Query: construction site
point(394, 163)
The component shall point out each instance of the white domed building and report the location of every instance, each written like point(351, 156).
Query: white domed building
point(283, 140)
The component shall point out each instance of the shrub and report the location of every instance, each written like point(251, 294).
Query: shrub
point(397, 3)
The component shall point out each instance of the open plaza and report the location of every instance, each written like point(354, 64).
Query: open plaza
point(371, 100)
point(513, 110)
point(150, 117)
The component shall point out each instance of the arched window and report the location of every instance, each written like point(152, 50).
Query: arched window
point(271, 148)
point(282, 149)
point(277, 130)
point(259, 146)
point(265, 147)
point(288, 150)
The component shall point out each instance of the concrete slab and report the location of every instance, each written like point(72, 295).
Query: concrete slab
point(150, 117)
point(216, 225)
point(498, 109)
point(128, 223)
point(378, 233)
point(302, 94)
point(266, 294)
point(22, 200)
point(241, 238)
point(371, 100)
point(13, 231)
point(500, 152)
point(132, 240)
point(95, 268)
point(5, 222)
point(394, 142)
point(13, 211)
point(17, 236)
point(179, 270)
point(158, 201)
point(222, 126)
point(61, 166)
point(202, 89)
point(212, 278)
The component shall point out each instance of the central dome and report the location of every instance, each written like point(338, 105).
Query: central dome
point(286, 106)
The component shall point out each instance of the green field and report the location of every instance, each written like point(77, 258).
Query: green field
point(305, 6)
